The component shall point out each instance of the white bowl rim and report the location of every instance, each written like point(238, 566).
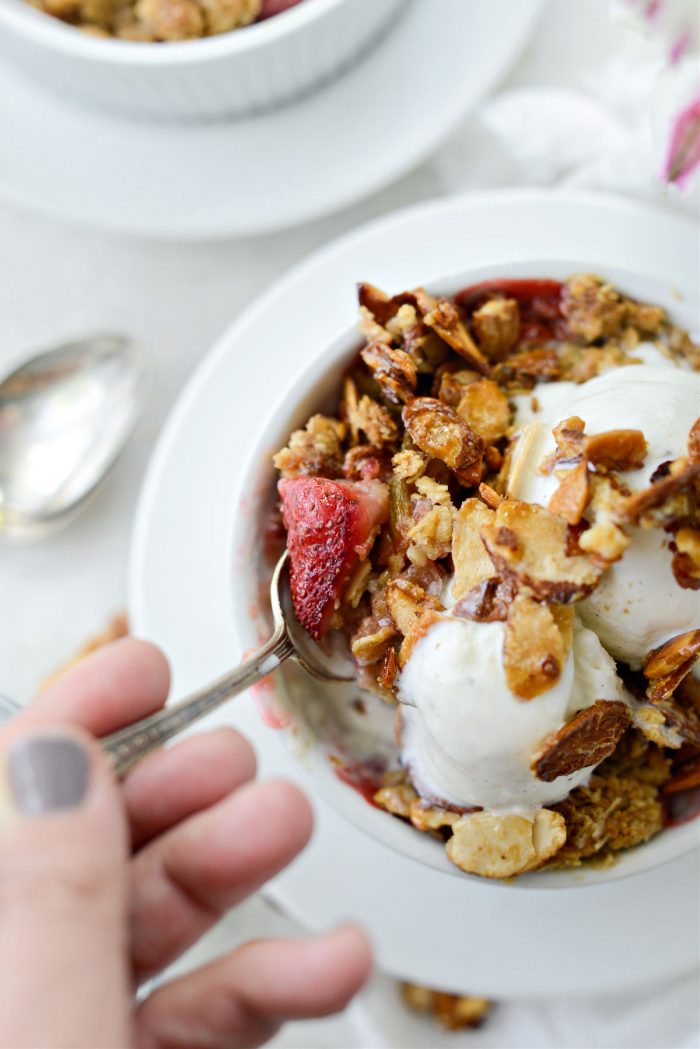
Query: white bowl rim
point(47, 31)
point(671, 843)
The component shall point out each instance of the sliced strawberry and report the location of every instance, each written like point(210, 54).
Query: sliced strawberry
point(331, 525)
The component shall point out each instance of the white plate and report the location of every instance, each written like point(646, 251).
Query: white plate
point(428, 925)
point(279, 169)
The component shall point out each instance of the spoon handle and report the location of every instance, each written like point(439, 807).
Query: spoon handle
point(130, 744)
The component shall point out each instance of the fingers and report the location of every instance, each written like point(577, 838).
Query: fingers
point(63, 884)
point(171, 785)
point(186, 879)
point(240, 1000)
point(114, 686)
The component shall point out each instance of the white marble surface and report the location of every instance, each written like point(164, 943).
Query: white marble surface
point(58, 281)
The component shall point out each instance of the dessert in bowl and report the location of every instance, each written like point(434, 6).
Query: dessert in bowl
point(189, 59)
point(459, 503)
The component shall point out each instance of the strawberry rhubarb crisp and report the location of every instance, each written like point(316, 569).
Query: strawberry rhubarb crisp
point(160, 21)
point(503, 519)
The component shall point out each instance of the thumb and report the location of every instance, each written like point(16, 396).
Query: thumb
point(63, 876)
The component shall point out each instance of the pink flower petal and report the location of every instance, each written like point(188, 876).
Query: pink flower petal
point(684, 148)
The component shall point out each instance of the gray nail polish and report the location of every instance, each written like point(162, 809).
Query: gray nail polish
point(47, 773)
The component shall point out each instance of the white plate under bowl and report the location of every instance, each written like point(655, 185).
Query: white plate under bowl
point(279, 169)
point(429, 925)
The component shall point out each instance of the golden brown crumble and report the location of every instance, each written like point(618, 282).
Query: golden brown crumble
point(150, 21)
point(426, 411)
point(454, 1012)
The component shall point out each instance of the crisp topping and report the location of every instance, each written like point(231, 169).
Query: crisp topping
point(440, 432)
point(534, 649)
point(501, 846)
point(587, 739)
point(528, 542)
point(425, 467)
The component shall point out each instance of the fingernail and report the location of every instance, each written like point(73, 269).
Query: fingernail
point(47, 773)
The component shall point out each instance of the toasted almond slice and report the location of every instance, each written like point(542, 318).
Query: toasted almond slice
point(419, 630)
point(520, 457)
point(533, 649)
point(587, 739)
point(528, 542)
point(660, 688)
point(616, 449)
point(472, 564)
point(371, 647)
point(501, 846)
point(673, 654)
point(439, 432)
point(570, 499)
point(425, 816)
point(490, 496)
point(393, 370)
point(396, 798)
point(487, 602)
point(485, 409)
point(445, 320)
point(667, 723)
point(407, 602)
point(683, 474)
point(569, 437)
point(563, 616)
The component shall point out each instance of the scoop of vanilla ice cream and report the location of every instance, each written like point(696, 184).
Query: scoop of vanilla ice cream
point(466, 739)
point(638, 604)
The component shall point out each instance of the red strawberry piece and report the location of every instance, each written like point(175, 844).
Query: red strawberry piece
point(275, 7)
point(331, 526)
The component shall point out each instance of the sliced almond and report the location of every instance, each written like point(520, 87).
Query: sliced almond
point(589, 738)
point(485, 409)
point(616, 449)
point(682, 475)
point(520, 458)
point(534, 651)
point(530, 543)
point(472, 564)
point(393, 370)
point(568, 435)
point(440, 433)
point(672, 655)
point(372, 647)
point(571, 497)
point(667, 723)
point(487, 602)
point(660, 688)
point(490, 496)
point(446, 321)
point(419, 630)
point(407, 602)
point(426, 817)
point(396, 798)
point(501, 846)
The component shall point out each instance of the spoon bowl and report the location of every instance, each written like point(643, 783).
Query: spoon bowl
point(289, 641)
point(65, 416)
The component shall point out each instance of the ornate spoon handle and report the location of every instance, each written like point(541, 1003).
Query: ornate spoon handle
point(130, 744)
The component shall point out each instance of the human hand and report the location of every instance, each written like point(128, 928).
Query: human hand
point(103, 885)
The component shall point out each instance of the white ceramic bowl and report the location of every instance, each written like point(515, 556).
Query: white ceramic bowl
point(322, 720)
point(234, 74)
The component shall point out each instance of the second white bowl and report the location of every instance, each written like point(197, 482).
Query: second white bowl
point(235, 74)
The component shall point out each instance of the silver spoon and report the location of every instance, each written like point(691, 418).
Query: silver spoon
point(65, 416)
point(289, 640)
